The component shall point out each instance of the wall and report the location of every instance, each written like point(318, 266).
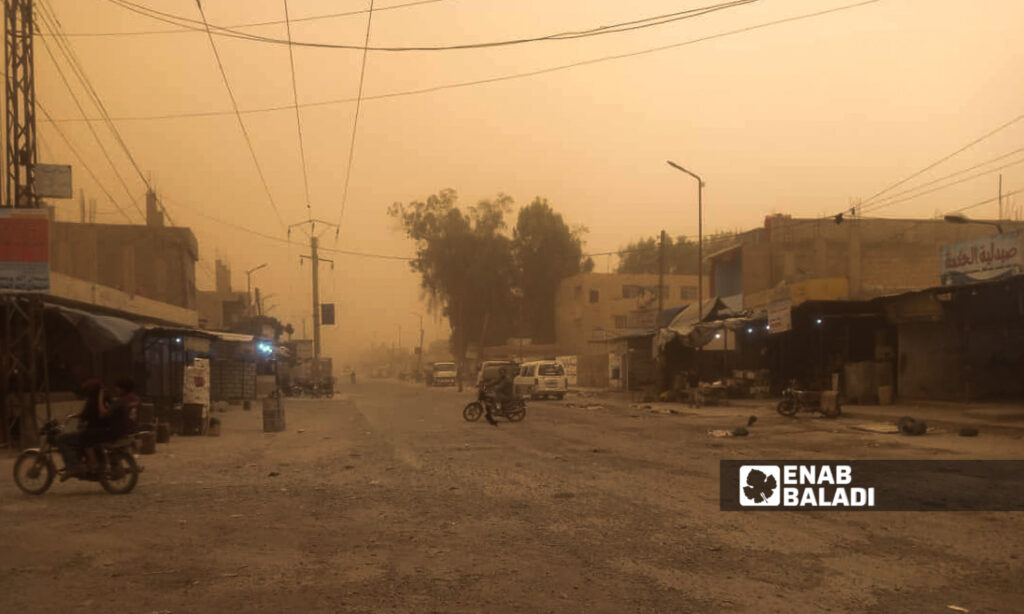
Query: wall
point(875, 256)
point(157, 263)
point(929, 362)
point(579, 321)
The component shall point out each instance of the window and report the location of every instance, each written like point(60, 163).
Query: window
point(577, 292)
point(631, 291)
point(688, 293)
point(594, 296)
point(620, 321)
point(552, 369)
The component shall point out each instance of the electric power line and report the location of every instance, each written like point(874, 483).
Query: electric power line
point(298, 119)
point(355, 125)
point(507, 77)
point(234, 105)
point(883, 202)
point(250, 24)
point(82, 161)
point(81, 110)
point(627, 26)
point(944, 158)
point(76, 65)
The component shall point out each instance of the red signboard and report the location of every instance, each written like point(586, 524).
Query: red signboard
point(24, 250)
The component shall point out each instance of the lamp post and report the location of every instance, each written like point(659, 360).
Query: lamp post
point(959, 218)
point(700, 251)
point(248, 281)
point(700, 239)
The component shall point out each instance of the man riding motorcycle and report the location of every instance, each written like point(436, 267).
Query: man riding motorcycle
point(503, 390)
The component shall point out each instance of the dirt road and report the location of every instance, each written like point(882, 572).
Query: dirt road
point(385, 500)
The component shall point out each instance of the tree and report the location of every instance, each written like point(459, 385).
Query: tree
point(680, 254)
point(465, 263)
point(546, 251)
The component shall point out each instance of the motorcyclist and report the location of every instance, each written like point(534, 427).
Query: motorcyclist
point(92, 424)
point(503, 390)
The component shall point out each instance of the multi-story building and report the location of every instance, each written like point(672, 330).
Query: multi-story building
point(594, 307)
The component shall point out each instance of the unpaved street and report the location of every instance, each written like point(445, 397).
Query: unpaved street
point(385, 500)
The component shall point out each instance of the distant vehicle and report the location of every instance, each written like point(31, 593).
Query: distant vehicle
point(489, 370)
point(542, 378)
point(442, 374)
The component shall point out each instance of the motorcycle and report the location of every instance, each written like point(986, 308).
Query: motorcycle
point(794, 401)
point(513, 411)
point(118, 473)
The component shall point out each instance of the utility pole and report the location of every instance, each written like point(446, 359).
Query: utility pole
point(81, 205)
point(314, 257)
point(248, 284)
point(661, 277)
point(23, 363)
point(259, 310)
point(1000, 196)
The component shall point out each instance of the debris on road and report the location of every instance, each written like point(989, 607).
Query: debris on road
point(751, 420)
point(720, 433)
point(740, 432)
point(273, 474)
point(957, 608)
point(968, 431)
point(911, 426)
point(877, 427)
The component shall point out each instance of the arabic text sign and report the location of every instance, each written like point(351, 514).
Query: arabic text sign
point(982, 258)
point(24, 250)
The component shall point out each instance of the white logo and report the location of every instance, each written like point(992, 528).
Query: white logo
point(760, 485)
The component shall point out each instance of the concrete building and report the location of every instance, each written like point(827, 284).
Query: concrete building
point(856, 259)
point(593, 307)
point(222, 307)
point(139, 270)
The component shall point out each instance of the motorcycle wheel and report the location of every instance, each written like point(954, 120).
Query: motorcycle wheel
point(786, 407)
point(516, 412)
point(34, 472)
point(833, 412)
point(121, 473)
point(473, 412)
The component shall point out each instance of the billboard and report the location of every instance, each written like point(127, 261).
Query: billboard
point(982, 259)
point(24, 250)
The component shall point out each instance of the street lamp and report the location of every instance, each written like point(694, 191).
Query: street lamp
point(248, 281)
point(960, 218)
point(700, 239)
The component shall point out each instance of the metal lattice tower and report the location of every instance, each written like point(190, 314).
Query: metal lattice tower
point(19, 177)
point(23, 369)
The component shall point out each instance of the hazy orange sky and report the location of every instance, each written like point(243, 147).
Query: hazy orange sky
point(799, 117)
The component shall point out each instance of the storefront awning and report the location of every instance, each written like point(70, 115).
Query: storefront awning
point(99, 332)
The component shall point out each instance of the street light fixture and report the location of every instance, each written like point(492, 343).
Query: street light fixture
point(700, 239)
point(960, 218)
point(248, 281)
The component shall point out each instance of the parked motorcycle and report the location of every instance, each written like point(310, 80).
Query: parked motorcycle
point(118, 473)
point(794, 401)
point(513, 411)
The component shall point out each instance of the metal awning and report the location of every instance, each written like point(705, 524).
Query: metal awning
point(100, 332)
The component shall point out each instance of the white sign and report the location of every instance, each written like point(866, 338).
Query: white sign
point(982, 259)
point(197, 384)
point(53, 181)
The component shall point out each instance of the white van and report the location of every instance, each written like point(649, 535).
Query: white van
point(542, 378)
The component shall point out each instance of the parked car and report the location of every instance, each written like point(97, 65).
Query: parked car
point(542, 378)
point(442, 374)
point(489, 370)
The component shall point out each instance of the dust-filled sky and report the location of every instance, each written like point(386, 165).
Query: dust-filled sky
point(797, 117)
